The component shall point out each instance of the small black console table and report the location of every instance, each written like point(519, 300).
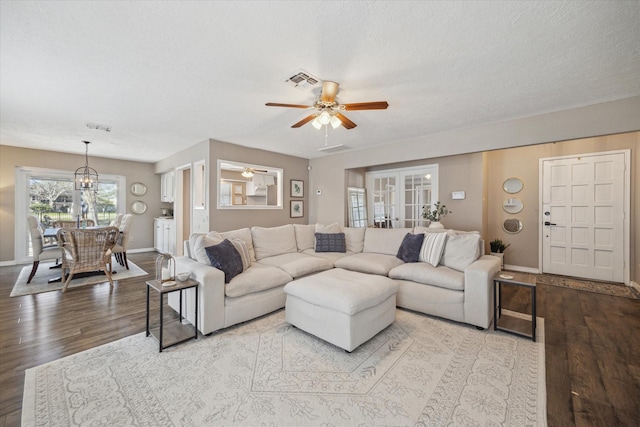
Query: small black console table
point(177, 331)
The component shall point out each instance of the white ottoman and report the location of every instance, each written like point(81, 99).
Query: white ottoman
point(343, 307)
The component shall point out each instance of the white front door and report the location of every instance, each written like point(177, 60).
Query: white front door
point(583, 216)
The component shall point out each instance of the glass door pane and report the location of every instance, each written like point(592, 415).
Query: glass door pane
point(417, 194)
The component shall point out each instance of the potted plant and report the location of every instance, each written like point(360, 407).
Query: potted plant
point(497, 249)
point(435, 216)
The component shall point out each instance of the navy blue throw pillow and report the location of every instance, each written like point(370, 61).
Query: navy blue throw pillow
point(330, 242)
point(225, 257)
point(409, 250)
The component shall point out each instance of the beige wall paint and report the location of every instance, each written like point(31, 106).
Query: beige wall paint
point(10, 157)
point(523, 162)
point(231, 219)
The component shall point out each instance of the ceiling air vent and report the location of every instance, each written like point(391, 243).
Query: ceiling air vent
point(333, 148)
point(303, 80)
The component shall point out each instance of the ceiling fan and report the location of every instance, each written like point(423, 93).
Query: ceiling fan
point(329, 110)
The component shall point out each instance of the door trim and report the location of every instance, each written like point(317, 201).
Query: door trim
point(626, 231)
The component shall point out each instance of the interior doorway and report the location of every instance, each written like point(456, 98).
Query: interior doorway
point(584, 214)
point(182, 208)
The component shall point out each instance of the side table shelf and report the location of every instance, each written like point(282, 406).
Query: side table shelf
point(175, 332)
point(513, 279)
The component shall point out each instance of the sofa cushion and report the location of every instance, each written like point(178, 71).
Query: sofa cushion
point(384, 240)
point(354, 238)
point(432, 248)
point(372, 263)
point(305, 236)
point(226, 258)
point(327, 228)
point(273, 241)
point(255, 279)
point(330, 256)
point(244, 234)
point(409, 250)
point(192, 243)
point(330, 242)
point(298, 264)
point(461, 251)
point(425, 273)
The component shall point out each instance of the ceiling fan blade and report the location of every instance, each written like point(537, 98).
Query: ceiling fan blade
point(304, 121)
point(275, 104)
point(345, 121)
point(377, 105)
point(329, 91)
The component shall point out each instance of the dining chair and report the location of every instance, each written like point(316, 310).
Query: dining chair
point(40, 250)
point(120, 250)
point(86, 249)
point(116, 222)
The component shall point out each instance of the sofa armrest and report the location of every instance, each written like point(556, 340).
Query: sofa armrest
point(211, 294)
point(478, 291)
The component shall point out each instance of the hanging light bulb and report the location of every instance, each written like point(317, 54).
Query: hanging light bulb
point(316, 123)
point(335, 122)
point(325, 118)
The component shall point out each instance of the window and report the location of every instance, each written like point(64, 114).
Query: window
point(51, 196)
point(396, 196)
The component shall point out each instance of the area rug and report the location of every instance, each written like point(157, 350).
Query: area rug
point(616, 290)
point(40, 282)
point(418, 371)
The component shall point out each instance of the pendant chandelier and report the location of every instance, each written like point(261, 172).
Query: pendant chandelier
point(86, 178)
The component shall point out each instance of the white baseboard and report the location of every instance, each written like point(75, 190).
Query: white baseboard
point(521, 269)
point(635, 285)
point(7, 263)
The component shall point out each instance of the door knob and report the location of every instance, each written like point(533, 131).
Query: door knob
point(549, 223)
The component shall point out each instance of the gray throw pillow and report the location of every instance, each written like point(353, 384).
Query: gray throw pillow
point(409, 250)
point(225, 257)
point(330, 242)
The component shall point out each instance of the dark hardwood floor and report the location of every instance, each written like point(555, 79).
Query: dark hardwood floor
point(592, 341)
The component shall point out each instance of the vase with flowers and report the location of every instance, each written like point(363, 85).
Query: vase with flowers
point(435, 215)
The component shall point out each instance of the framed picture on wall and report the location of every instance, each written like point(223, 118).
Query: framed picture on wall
point(297, 188)
point(297, 209)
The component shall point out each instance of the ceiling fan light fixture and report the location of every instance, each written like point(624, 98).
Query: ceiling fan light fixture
point(316, 123)
point(247, 173)
point(325, 118)
point(335, 122)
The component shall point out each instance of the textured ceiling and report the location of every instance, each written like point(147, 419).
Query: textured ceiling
point(167, 75)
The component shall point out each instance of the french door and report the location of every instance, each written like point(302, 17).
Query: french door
point(397, 196)
point(584, 216)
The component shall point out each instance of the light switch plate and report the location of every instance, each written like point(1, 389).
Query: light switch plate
point(458, 195)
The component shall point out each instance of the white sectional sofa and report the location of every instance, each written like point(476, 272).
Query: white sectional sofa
point(457, 288)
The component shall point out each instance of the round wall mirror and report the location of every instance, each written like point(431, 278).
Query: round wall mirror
point(138, 189)
point(512, 225)
point(512, 206)
point(138, 207)
point(512, 185)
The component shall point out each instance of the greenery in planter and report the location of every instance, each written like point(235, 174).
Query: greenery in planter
point(498, 246)
point(436, 215)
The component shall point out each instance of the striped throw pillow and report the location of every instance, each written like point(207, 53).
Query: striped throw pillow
point(432, 248)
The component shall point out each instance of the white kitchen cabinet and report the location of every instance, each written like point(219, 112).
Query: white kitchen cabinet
point(164, 236)
point(168, 187)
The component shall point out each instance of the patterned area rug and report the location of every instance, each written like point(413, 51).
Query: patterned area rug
point(616, 290)
point(418, 371)
point(40, 282)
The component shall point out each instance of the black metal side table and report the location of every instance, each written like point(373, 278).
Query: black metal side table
point(177, 331)
point(516, 279)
